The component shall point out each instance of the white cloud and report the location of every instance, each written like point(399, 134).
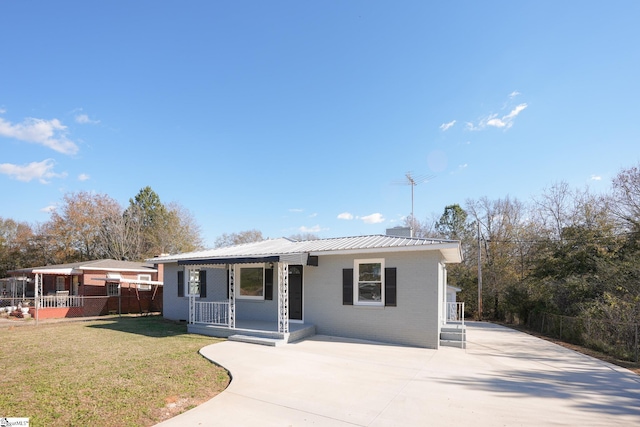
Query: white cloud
point(504, 122)
point(48, 209)
point(345, 215)
point(374, 218)
point(519, 108)
point(42, 171)
point(314, 229)
point(84, 119)
point(446, 126)
point(83, 177)
point(596, 178)
point(313, 215)
point(50, 133)
point(514, 94)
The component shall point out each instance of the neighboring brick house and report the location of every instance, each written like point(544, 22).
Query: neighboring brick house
point(90, 288)
point(384, 288)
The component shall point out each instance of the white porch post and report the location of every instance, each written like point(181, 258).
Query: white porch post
point(37, 286)
point(37, 293)
point(444, 293)
point(232, 297)
point(283, 297)
point(192, 309)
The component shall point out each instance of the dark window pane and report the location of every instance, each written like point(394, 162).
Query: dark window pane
point(251, 282)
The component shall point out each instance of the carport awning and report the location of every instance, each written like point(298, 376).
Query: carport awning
point(126, 280)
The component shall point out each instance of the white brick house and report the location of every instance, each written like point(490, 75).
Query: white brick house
point(383, 288)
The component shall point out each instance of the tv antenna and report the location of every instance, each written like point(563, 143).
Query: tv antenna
point(413, 180)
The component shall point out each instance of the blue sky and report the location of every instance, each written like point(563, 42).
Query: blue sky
point(302, 116)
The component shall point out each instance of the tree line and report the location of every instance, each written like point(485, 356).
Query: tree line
point(567, 251)
point(88, 226)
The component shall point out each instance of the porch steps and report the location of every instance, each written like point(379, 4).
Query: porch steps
point(255, 332)
point(453, 336)
point(273, 342)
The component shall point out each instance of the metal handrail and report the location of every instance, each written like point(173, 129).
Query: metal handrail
point(455, 312)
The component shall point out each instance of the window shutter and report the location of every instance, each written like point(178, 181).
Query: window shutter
point(180, 283)
point(268, 284)
point(203, 283)
point(390, 287)
point(347, 286)
point(227, 270)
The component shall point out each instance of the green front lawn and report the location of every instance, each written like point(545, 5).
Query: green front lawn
point(129, 371)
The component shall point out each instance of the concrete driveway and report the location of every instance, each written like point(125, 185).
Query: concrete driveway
point(503, 378)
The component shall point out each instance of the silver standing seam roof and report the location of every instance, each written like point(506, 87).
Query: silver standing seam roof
point(287, 249)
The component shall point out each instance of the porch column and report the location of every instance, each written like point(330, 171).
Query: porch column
point(37, 286)
point(37, 293)
point(444, 290)
point(232, 296)
point(283, 297)
point(192, 309)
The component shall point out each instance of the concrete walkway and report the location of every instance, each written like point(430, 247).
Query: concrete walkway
point(503, 378)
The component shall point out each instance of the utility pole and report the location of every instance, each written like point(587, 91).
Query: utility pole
point(479, 275)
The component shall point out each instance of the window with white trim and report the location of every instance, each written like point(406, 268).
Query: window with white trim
point(368, 282)
point(59, 283)
point(113, 289)
point(193, 285)
point(251, 282)
point(144, 286)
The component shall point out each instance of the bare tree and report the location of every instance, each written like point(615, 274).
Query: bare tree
point(555, 208)
point(304, 237)
point(76, 224)
point(626, 197)
point(179, 231)
point(232, 239)
point(14, 237)
point(423, 229)
point(121, 236)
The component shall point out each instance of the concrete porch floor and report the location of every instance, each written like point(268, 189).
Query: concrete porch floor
point(256, 329)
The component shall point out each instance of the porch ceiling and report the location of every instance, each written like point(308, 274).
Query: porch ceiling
point(237, 260)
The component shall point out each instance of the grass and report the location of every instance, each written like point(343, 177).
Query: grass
point(128, 371)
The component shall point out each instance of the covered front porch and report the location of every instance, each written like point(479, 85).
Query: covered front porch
point(263, 304)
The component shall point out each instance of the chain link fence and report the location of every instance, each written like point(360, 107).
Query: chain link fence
point(616, 339)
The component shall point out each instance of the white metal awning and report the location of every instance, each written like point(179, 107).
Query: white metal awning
point(125, 280)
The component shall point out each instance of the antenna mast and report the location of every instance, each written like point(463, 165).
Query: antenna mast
point(414, 180)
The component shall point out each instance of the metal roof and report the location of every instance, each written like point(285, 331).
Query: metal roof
point(339, 245)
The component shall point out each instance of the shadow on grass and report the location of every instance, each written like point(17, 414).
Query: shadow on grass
point(150, 326)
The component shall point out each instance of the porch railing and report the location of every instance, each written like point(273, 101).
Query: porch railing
point(455, 312)
point(210, 312)
point(61, 301)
